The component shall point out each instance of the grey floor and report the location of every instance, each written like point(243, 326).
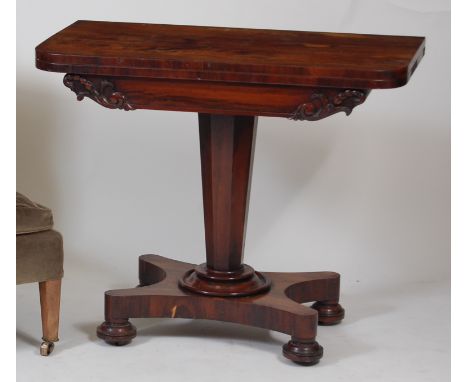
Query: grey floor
point(390, 334)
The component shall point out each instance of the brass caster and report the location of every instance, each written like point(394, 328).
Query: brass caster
point(47, 348)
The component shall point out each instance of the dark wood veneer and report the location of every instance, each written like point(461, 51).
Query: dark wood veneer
point(230, 77)
point(298, 103)
point(280, 309)
point(232, 55)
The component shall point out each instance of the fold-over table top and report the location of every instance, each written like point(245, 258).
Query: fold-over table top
point(232, 55)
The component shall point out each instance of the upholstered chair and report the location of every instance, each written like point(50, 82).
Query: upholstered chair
point(39, 258)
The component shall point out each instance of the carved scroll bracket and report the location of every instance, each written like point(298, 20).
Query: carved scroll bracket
point(98, 89)
point(327, 102)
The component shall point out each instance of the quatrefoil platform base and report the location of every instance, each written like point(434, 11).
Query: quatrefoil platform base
point(279, 308)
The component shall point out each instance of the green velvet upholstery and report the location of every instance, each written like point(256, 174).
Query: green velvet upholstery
point(39, 249)
point(31, 217)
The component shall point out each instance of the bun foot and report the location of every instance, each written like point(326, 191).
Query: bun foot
point(329, 314)
point(117, 333)
point(303, 353)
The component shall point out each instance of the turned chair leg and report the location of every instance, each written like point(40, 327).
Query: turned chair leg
point(49, 292)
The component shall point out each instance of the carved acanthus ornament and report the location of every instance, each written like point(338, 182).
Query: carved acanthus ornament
point(100, 90)
point(326, 103)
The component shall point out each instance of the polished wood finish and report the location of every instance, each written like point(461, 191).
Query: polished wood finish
point(238, 55)
point(304, 353)
point(49, 293)
point(298, 103)
point(229, 76)
point(226, 147)
point(116, 332)
point(280, 309)
point(330, 312)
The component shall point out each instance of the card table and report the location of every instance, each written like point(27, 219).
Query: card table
point(230, 77)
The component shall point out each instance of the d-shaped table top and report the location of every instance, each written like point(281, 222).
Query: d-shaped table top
point(234, 55)
point(230, 71)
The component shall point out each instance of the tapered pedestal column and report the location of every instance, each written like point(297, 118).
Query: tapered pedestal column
point(227, 149)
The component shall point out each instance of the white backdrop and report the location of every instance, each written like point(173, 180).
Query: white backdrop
point(366, 195)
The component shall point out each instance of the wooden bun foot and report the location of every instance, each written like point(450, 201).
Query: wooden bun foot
point(116, 333)
point(303, 353)
point(329, 314)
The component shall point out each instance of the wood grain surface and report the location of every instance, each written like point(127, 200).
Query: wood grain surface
point(232, 54)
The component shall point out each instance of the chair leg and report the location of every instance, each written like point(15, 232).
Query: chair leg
point(49, 292)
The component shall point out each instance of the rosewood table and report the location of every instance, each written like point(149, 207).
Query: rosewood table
point(230, 77)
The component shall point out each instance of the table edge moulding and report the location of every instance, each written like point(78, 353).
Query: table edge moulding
point(230, 77)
